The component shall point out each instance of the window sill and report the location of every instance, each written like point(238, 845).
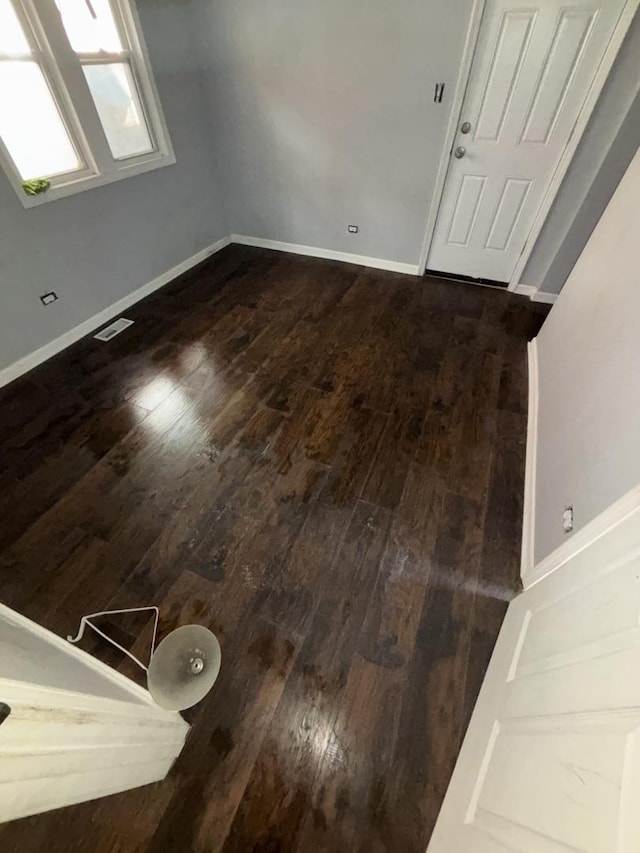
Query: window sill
point(87, 182)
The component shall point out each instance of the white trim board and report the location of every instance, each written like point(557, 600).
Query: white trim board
point(542, 296)
point(529, 510)
point(327, 254)
point(536, 295)
point(33, 359)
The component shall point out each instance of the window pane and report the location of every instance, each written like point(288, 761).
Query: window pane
point(116, 99)
point(30, 124)
point(12, 37)
point(90, 25)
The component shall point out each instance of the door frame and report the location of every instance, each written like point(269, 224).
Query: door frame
point(611, 51)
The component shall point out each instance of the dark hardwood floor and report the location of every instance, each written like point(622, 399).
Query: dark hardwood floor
point(322, 463)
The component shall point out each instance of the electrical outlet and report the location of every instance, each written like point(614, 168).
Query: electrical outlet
point(352, 229)
point(567, 519)
point(48, 298)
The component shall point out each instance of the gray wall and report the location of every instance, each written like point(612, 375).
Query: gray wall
point(588, 377)
point(603, 154)
point(325, 116)
point(95, 247)
point(304, 117)
point(609, 175)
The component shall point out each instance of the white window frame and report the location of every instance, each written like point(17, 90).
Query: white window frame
point(62, 69)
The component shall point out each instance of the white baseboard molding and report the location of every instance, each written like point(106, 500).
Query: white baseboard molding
point(534, 294)
point(327, 254)
point(541, 296)
point(529, 513)
point(612, 516)
point(525, 290)
point(33, 359)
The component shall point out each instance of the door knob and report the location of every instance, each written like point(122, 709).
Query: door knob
point(465, 127)
point(460, 152)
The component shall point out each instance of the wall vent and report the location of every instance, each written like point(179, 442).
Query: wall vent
point(113, 329)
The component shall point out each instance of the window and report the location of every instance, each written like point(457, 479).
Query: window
point(78, 106)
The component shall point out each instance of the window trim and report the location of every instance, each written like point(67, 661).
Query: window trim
point(43, 27)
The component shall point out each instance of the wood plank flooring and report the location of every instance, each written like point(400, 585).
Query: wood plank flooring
point(322, 463)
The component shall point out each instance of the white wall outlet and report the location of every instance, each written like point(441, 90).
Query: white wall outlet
point(48, 298)
point(567, 519)
point(352, 229)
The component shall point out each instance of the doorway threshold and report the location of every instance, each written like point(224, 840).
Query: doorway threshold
point(467, 279)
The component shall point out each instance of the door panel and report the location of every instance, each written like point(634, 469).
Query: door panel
point(504, 68)
point(538, 821)
point(571, 35)
point(507, 212)
point(533, 66)
point(551, 760)
point(466, 210)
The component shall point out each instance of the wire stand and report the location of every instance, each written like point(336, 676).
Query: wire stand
point(86, 621)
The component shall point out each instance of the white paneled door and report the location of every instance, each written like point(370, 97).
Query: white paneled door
point(551, 760)
point(533, 66)
point(71, 728)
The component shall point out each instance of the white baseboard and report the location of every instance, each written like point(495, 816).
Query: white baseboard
point(534, 294)
point(28, 362)
point(328, 254)
point(612, 516)
point(541, 296)
point(527, 560)
point(525, 290)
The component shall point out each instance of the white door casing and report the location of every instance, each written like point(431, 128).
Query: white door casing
point(533, 68)
point(77, 729)
point(551, 759)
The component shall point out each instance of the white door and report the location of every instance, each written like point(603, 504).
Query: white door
point(551, 760)
point(532, 68)
point(72, 729)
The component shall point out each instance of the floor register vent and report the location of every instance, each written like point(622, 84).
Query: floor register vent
point(113, 329)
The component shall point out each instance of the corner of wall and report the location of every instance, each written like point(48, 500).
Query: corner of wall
point(33, 359)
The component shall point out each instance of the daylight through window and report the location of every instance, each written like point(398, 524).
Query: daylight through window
point(77, 101)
